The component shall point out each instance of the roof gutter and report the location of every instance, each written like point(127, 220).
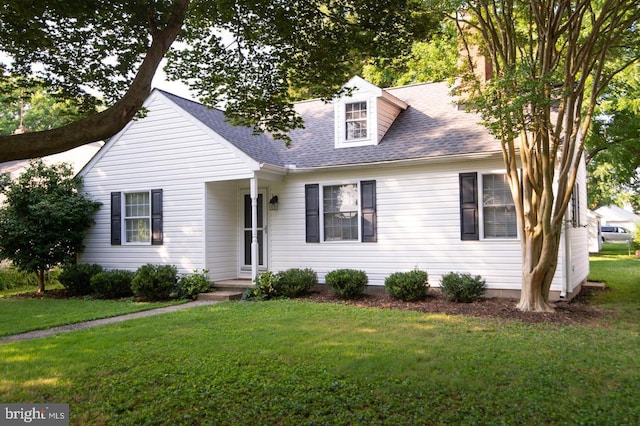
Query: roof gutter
point(292, 168)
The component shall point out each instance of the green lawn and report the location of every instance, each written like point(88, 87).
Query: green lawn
point(296, 363)
point(19, 315)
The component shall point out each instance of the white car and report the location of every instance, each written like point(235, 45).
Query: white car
point(615, 233)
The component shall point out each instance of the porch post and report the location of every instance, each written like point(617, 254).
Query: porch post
point(254, 228)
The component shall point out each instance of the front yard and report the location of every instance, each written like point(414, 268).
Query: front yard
point(300, 362)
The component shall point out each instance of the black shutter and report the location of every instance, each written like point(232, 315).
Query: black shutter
point(469, 227)
point(312, 212)
point(369, 220)
point(156, 217)
point(116, 219)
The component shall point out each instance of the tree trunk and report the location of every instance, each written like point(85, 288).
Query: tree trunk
point(40, 277)
point(539, 264)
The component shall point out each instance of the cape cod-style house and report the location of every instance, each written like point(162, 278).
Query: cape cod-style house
point(382, 180)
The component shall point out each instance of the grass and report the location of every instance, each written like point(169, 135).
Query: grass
point(45, 312)
point(621, 272)
point(293, 362)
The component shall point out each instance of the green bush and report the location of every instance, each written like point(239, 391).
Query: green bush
point(347, 283)
point(265, 287)
point(12, 277)
point(154, 282)
point(295, 282)
point(190, 285)
point(407, 286)
point(462, 287)
point(76, 279)
point(112, 284)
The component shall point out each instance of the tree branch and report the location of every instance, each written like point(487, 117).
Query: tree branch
point(107, 123)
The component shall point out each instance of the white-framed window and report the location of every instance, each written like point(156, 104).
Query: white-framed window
point(356, 121)
point(498, 210)
point(341, 212)
point(137, 217)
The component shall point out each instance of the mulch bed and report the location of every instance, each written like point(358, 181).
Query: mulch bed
point(576, 311)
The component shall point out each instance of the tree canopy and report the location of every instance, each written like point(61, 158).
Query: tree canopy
point(34, 108)
point(613, 144)
point(244, 53)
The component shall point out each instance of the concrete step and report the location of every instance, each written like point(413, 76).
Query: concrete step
point(233, 285)
point(221, 295)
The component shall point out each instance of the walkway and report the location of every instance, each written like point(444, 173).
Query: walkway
point(88, 324)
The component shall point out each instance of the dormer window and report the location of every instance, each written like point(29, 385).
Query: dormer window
point(356, 120)
point(362, 117)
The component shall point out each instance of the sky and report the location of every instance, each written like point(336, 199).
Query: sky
point(175, 87)
point(159, 81)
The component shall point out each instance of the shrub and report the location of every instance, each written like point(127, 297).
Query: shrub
point(154, 282)
point(295, 282)
point(76, 279)
point(112, 284)
point(265, 288)
point(347, 283)
point(462, 287)
point(407, 286)
point(190, 285)
point(12, 277)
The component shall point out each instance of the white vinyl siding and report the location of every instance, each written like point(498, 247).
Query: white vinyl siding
point(167, 149)
point(387, 114)
point(418, 225)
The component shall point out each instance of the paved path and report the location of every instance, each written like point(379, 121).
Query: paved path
point(78, 326)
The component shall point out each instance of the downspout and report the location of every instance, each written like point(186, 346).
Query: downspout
point(566, 285)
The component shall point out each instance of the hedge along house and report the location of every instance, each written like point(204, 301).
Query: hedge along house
point(383, 180)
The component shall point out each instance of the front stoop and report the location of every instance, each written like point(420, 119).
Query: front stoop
point(227, 290)
point(221, 295)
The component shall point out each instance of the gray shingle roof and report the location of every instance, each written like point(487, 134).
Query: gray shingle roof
point(431, 127)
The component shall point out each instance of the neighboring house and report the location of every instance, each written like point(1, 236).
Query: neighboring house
point(617, 216)
point(382, 181)
point(76, 157)
point(593, 226)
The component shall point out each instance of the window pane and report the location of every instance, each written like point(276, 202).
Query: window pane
point(356, 120)
point(137, 204)
point(137, 217)
point(138, 230)
point(340, 205)
point(499, 213)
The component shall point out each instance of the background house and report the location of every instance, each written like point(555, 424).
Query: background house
point(382, 180)
point(617, 216)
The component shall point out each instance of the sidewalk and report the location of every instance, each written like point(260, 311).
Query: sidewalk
point(88, 324)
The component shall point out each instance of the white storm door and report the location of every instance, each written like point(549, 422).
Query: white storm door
point(247, 232)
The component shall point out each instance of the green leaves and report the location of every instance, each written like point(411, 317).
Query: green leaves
point(44, 219)
point(250, 55)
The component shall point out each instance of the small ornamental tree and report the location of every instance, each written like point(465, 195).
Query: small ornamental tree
point(43, 219)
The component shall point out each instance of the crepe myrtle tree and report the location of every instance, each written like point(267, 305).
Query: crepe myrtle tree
point(247, 54)
point(43, 219)
point(552, 61)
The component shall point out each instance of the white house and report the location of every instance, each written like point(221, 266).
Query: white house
point(382, 180)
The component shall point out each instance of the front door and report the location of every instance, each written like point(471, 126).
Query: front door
point(246, 233)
